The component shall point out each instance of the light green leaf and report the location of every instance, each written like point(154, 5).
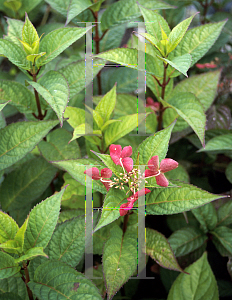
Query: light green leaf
point(75, 115)
point(57, 41)
point(186, 240)
point(121, 11)
point(224, 214)
point(222, 239)
point(191, 110)
point(119, 259)
point(70, 214)
point(118, 129)
point(158, 248)
point(42, 222)
point(14, 31)
point(25, 184)
point(200, 283)
point(11, 246)
point(174, 200)
point(68, 242)
point(20, 235)
point(14, 53)
point(18, 94)
point(29, 33)
point(15, 285)
point(57, 146)
point(55, 279)
point(73, 189)
point(219, 143)
point(76, 169)
point(54, 89)
point(69, 8)
point(207, 216)
point(110, 210)
point(33, 57)
point(87, 131)
point(75, 75)
point(13, 4)
point(27, 6)
point(31, 253)
point(20, 138)
point(8, 267)
point(199, 40)
point(177, 34)
point(106, 106)
point(154, 145)
point(2, 105)
point(180, 63)
point(8, 227)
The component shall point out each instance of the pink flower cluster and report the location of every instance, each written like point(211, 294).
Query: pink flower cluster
point(131, 176)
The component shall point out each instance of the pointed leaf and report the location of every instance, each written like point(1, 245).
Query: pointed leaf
point(207, 216)
point(117, 130)
point(29, 33)
point(119, 259)
point(110, 210)
point(20, 235)
point(14, 31)
point(157, 246)
point(154, 145)
point(26, 183)
point(224, 214)
point(186, 240)
point(31, 253)
point(174, 200)
point(180, 63)
point(2, 105)
point(75, 115)
point(222, 239)
point(18, 94)
point(68, 242)
point(54, 89)
point(57, 41)
point(219, 143)
point(20, 138)
point(42, 222)
point(200, 283)
point(8, 267)
point(191, 110)
point(8, 227)
point(106, 106)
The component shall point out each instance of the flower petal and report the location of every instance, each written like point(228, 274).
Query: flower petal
point(142, 192)
point(127, 151)
point(153, 163)
point(162, 180)
point(106, 173)
point(124, 208)
point(149, 173)
point(93, 173)
point(168, 164)
point(115, 153)
point(107, 185)
point(127, 164)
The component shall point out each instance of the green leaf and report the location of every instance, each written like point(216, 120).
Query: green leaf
point(219, 143)
point(14, 31)
point(154, 145)
point(3, 105)
point(10, 296)
point(75, 75)
point(180, 63)
point(199, 40)
point(20, 138)
point(20, 235)
point(75, 115)
point(177, 34)
point(157, 246)
point(25, 184)
point(106, 106)
point(27, 6)
point(178, 221)
point(191, 110)
point(57, 41)
point(76, 169)
point(174, 200)
point(29, 33)
point(8, 267)
point(14, 53)
point(70, 213)
point(119, 259)
point(207, 216)
point(69, 8)
point(31, 253)
point(121, 12)
point(14, 284)
point(110, 210)
point(224, 214)
point(8, 227)
point(57, 146)
point(55, 279)
point(118, 129)
point(222, 239)
point(42, 222)
point(186, 240)
point(200, 283)
point(13, 4)
point(68, 242)
point(18, 94)
point(54, 89)
point(179, 173)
